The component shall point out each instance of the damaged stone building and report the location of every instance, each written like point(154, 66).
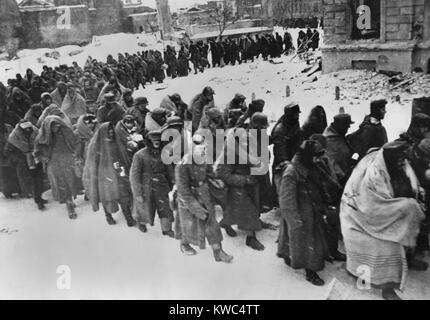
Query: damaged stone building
point(389, 35)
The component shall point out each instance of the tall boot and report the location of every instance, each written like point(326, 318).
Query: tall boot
point(220, 255)
point(166, 227)
point(126, 211)
point(110, 220)
point(71, 210)
point(229, 230)
point(251, 241)
point(314, 278)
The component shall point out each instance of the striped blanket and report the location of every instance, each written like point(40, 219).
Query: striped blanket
point(377, 227)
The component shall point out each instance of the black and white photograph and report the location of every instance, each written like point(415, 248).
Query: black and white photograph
point(234, 150)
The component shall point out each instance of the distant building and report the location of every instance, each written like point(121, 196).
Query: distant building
point(60, 22)
point(294, 13)
point(376, 34)
point(249, 9)
point(10, 23)
point(146, 22)
point(193, 16)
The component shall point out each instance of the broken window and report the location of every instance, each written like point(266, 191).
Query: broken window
point(366, 22)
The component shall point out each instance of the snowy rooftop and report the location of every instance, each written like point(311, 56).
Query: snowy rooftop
point(231, 32)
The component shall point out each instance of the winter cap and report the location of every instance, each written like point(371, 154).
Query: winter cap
point(45, 95)
point(176, 97)
point(154, 135)
point(140, 100)
point(376, 105)
point(159, 112)
point(109, 97)
point(214, 113)
point(292, 108)
point(128, 118)
point(239, 97)
point(395, 150)
point(174, 121)
point(259, 120)
point(257, 105)
point(208, 90)
point(127, 91)
point(343, 118)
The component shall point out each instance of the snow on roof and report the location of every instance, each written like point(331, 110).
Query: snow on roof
point(39, 8)
point(142, 14)
point(230, 32)
point(28, 3)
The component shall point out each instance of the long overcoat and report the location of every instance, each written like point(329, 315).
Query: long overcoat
point(153, 180)
point(301, 234)
point(194, 199)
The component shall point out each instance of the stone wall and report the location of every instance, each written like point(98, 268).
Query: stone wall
point(193, 17)
point(403, 43)
point(92, 17)
point(40, 27)
point(144, 22)
point(106, 17)
point(398, 19)
point(295, 8)
point(10, 21)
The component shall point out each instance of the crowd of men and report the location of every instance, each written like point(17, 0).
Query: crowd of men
point(63, 132)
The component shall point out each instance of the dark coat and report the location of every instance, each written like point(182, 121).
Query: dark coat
point(110, 114)
point(286, 141)
point(19, 102)
point(153, 180)
point(8, 177)
point(370, 135)
point(196, 211)
point(183, 65)
point(340, 153)
point(198, 107)
point(58, 151)
point(302, 234)
point(139, 116)
point(242, 206)
point(103, 184)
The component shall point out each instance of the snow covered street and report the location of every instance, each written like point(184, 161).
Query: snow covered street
point(118, 262)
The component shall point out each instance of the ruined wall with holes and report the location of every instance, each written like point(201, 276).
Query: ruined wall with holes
point(40, 27)
point(402, 42)
point(87, 18)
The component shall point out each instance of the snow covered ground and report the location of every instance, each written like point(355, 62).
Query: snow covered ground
point(117, 262)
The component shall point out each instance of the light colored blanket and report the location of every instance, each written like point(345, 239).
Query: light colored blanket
point(376, 226)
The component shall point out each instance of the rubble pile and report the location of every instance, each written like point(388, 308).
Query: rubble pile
point(358, 85)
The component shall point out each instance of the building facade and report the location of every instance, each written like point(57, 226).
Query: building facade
point(10, 22)
point(61, 22)
point(376, 34)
